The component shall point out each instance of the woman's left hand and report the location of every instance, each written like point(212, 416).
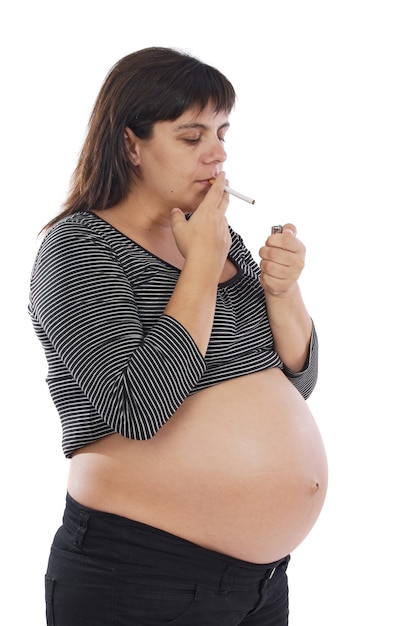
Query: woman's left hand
point(282, 261)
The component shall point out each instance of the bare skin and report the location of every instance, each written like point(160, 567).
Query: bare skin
point(240, 468)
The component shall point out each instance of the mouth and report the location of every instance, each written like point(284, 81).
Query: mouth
point(206, 182)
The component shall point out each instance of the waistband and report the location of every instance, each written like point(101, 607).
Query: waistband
point(131, 542)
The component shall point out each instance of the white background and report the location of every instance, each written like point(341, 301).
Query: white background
point(324, 135)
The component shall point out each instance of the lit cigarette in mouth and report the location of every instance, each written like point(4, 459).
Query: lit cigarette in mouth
point(237, 194)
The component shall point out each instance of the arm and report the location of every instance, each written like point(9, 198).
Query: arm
point(282, 261)
point(86, 315)
point(204, 241)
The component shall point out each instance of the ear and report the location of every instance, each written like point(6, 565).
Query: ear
point(132, 145)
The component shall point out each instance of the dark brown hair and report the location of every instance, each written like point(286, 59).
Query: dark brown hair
point(147, 86)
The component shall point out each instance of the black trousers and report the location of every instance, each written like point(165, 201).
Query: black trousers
point(106, 570)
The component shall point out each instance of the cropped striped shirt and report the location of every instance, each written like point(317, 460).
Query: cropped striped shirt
point(116, 362)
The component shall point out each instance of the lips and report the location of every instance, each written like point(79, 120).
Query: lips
point(206, 181)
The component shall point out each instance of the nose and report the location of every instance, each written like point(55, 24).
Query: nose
point(215, 151)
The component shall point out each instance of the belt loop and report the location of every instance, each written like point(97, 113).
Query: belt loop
point(82, 529)
point(227, 579)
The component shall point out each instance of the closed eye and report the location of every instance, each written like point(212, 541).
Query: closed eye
point(194, 140)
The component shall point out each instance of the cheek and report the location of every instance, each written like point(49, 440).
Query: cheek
point(156, 168)
point(170, 171)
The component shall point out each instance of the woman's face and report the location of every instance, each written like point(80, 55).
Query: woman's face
point(181, 156)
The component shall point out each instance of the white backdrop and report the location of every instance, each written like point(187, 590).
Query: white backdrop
point(324, 135)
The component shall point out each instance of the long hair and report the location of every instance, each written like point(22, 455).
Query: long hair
point(145, 87)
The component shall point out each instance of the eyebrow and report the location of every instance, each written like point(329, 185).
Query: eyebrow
point(194, 125)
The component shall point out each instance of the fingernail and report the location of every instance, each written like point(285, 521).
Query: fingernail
point(288, 230)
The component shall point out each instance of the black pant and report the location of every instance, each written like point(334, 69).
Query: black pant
point(106, 570)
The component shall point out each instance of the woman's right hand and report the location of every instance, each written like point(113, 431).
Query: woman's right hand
point(205, 236)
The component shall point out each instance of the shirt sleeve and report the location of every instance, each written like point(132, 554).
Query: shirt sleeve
point(85, 305)
point(305, 380)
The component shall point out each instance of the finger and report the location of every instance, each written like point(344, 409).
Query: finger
point(217, 192)
point(289, 229)
point(286, 251)
point(282, 241)
point(285, 240)
point(176, 218)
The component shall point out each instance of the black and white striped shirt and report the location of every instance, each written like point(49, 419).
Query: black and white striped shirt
point(116, 362)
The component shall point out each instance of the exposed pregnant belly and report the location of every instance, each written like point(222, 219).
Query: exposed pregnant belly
point(240, 469)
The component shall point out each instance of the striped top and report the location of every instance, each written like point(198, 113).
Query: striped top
point(116, 362)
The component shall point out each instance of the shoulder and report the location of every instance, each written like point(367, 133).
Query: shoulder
point(77, 241)
point(80, 223)
point(74, 233)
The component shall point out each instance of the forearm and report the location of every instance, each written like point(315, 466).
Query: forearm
point(204, 241)
point(291, 327)
point(193, 302)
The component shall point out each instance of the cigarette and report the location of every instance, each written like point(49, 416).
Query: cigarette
point(237, 194)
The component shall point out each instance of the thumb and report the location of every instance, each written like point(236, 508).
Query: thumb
point(177, 222)
point(290, 229)
point(176, 217)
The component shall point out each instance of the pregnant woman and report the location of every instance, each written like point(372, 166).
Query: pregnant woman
point(179, 368)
